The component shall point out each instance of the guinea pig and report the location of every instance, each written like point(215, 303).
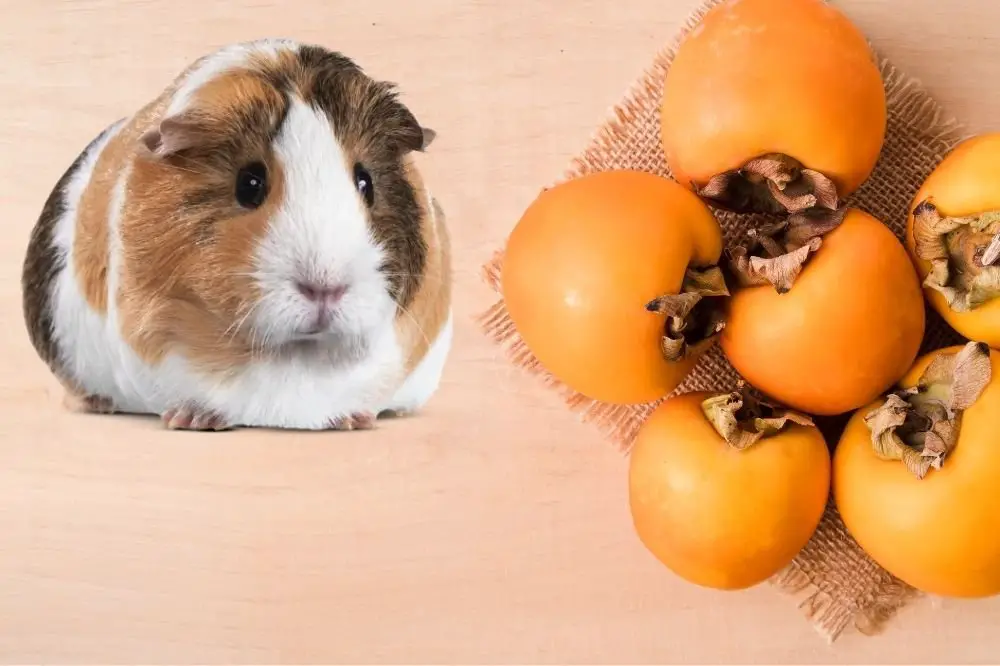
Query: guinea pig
point(255, 247)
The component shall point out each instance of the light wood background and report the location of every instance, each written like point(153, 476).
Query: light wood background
point(494, 528)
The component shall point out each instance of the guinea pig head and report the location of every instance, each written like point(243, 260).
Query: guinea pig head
point(281, 201)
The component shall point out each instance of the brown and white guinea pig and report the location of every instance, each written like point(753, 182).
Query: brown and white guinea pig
point(255, 247)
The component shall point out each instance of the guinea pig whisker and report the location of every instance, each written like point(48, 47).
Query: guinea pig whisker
point(264, 344)
point(230, 333)
point(259, 341)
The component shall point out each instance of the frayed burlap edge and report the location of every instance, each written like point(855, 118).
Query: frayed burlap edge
point(806, 580)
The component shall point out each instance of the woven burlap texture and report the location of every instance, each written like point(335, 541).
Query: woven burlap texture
point(833, 581)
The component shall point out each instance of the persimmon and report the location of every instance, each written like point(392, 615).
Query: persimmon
point(953, 235)
point(773, 106)
point(826, 311)
point(917, 472)
point(611, 281)
point(725, 490)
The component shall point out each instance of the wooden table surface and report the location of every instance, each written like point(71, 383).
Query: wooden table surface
point(494, 528)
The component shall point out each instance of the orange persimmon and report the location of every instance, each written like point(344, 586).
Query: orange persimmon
point(610, 280)
point(831, 323)
point(917, 472)
point(726, 491)
point(953, 235)
point(773, 106)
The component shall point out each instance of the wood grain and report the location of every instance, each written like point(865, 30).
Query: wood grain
point(494, 527)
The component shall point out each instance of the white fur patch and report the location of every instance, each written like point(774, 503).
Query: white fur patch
point(320, 235)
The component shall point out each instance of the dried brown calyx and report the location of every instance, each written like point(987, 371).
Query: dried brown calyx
point(743, 420)
point(695, 316)
point(920, 426)
point(776, 253)
point(772, 183)
point(963, 253)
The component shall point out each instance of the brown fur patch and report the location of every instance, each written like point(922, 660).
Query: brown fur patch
point(90, 246)
point(187, 243)
point(418, 325)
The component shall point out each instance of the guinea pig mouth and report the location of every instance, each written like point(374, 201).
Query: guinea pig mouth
point(318, 328)
point(330, 346)
point(305, 342)
point(314, 332)
point(310, 336)
point(321, 326)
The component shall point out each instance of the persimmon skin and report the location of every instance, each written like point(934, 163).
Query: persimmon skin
point(848, 329)
point(966, 182)
point(719, 517)
point(940, 534)
point(580, 267)
point(774, 76)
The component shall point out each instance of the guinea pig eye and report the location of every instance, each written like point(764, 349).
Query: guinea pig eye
point(363, 181)
point(251, 185)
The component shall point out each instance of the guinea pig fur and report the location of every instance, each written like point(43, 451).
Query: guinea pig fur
point(255, 247)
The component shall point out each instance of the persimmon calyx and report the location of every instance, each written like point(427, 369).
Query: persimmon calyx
point(742, 420)
point(695, 315)
point(776, 253)
point(920, 426)
point(963, 253)
point(772, 183)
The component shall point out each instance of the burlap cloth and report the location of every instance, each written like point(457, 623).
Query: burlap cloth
point(834, 583)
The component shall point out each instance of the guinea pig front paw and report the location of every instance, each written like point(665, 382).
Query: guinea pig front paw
point(359, 421)
point(193, 417)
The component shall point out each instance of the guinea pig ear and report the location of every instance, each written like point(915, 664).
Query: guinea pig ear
point(416, 137)
point(174, 134)
point(428, 137)
point(410, 134)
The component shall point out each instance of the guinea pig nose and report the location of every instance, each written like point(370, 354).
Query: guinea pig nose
point(321, 293)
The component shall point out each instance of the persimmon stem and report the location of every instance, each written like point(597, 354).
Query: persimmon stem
point(962, 251)
point(772, 183)
point(775, 254)
point(695, 316)
point(742, 420)
point(920, 426)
